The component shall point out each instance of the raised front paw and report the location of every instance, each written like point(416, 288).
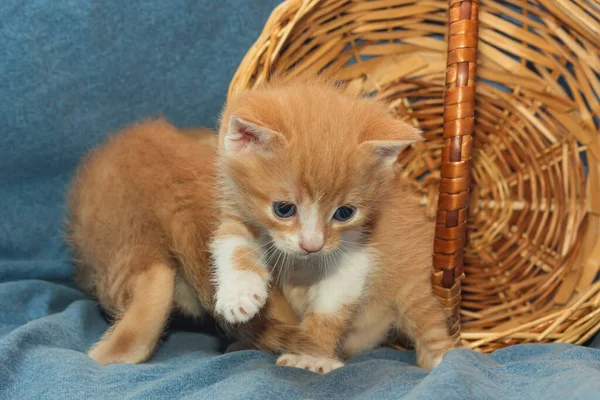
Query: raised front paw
point(320, 365)
point(241, 297)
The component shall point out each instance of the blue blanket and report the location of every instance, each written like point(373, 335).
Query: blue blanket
point(70, 71)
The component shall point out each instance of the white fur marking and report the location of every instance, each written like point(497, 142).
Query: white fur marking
point(237, 290)
point(310, 235)
point(344, 285)
point(320, 365)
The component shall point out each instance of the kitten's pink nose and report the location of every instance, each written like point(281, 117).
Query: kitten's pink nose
point(312, 244)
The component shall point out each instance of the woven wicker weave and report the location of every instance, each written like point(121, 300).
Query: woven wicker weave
point(532, 250)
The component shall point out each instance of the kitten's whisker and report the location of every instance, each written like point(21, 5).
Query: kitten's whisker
point(340, 251)
point(330, 262)
point(251, 251)
point(272, 252)
point(348, 260)
point(276, 264)
point(285, 268)
point(322, 265)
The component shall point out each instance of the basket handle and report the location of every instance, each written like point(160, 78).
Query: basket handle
point(459, 118)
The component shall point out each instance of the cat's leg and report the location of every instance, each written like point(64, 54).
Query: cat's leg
point(325, 328)
point(277, 330)
point(370, 329)
point(422, 318)
point(134, 335)
point(332, 304)
point(242, 279)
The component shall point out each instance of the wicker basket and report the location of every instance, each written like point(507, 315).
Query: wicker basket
point(532, 251)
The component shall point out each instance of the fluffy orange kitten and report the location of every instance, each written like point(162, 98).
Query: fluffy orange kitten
point(141, 214)
point(310, 201)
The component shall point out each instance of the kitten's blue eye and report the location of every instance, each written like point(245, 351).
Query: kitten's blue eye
point(284, 209)
point(343, 213)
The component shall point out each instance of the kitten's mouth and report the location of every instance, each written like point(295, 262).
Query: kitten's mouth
point(299, 254)
point(307, 256)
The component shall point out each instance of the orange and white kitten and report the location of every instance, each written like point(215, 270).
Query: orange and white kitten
point(141, 215)
point(305, 172)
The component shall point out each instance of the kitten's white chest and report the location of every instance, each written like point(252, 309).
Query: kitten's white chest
point(319, 284)
point(310, 289)
point(343, 285)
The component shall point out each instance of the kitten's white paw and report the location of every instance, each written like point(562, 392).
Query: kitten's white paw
point(241, 296)
point(320, 365)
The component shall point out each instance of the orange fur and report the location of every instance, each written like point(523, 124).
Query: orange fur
point(328, 329)
point(140, 201)
point(141, 214)
point(321, 157)
point(399, 298)
point(134, 336)
point(144, 202)
point(308, 144)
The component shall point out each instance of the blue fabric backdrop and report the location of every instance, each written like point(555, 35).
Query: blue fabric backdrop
point(70, 71)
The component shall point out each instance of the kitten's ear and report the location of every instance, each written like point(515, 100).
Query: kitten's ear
point(385, 152)
point(244, 136)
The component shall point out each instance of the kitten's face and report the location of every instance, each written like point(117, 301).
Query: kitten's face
point(308, 167)
point(297, 210)
point(304, 218)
